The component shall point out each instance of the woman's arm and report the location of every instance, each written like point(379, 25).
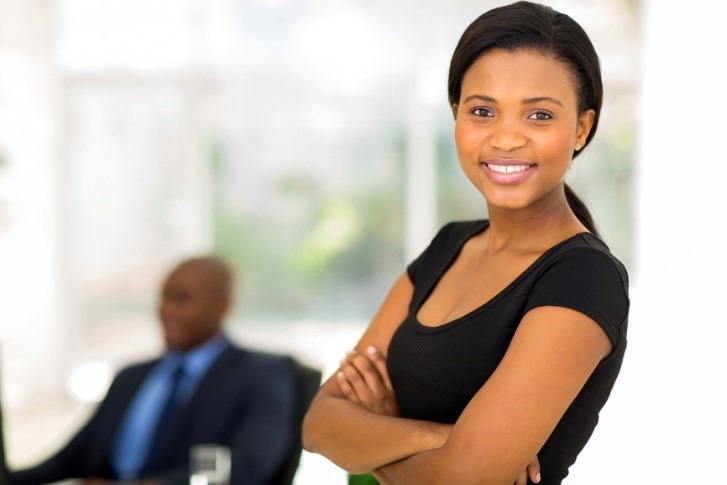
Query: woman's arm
point(550, 358)
point(364, 379)
point(358, 439)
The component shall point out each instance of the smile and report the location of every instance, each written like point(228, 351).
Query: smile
point(507, 168)
point(508, 172)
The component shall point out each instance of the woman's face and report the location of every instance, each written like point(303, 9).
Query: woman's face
point(517, 124)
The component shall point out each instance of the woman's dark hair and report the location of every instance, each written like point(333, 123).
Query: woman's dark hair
point(531, 26)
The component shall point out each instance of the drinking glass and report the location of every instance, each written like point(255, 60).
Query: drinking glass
point(209, 464)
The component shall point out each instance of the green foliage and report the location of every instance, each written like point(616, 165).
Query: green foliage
point(364, 479)
point(323, 254)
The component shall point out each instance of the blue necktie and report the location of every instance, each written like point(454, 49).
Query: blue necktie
point(166, 423)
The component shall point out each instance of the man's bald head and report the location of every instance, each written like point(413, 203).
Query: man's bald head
point(195, 298)
point(213, 270)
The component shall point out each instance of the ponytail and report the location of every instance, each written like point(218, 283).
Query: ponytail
point(581, 211)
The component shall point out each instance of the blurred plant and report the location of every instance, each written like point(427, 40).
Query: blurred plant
point(325, 255)
point(336, 229)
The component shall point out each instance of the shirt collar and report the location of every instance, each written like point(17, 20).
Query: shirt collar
point(197, 360)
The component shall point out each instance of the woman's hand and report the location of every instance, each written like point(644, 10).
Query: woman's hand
point(532, 471)
point(363, 379)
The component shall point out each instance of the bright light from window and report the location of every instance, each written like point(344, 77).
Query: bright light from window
point(89, 381)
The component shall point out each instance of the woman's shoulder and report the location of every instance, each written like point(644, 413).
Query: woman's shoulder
point(581, 273)
point(589, 253)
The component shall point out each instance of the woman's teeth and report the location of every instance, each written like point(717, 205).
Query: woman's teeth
point(507, 168)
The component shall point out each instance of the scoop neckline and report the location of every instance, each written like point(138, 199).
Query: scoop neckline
point(414, 315)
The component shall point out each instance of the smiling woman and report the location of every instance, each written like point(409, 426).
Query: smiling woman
point(518, 100)
point(494, 352)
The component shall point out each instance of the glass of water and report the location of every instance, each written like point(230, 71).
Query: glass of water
point(209, 464)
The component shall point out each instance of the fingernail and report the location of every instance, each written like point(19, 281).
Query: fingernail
point(340, 375)
point(371, 349)
point(349, 352)
point(537, 477)
point(343, 361)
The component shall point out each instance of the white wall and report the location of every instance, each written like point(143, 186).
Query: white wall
point(666, 420)
point(28, 234)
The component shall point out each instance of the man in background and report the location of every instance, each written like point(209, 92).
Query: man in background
point(203, 389)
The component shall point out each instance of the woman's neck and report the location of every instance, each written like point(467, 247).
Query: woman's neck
point(534, 228)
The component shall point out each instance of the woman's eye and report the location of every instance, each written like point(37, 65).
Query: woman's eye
point(481, 112)
point(540, 116)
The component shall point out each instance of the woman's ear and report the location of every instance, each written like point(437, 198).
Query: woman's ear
point(585, 123)
point(455, 106)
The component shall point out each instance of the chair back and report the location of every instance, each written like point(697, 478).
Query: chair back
point(308, 381)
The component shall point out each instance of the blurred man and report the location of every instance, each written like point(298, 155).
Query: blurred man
point(202, 389)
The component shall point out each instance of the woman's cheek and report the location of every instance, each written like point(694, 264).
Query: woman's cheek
point(465, 139)
point(556, 148)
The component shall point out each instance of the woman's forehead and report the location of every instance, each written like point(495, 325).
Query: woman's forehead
point(528, 73)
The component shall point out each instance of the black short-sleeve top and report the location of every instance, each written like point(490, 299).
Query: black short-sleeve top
point(435, 371)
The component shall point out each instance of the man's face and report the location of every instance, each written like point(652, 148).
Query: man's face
point(192, 306)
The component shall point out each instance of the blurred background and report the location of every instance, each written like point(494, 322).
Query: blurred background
point(310, 143)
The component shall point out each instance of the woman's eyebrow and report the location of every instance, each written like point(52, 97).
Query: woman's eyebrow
point(490, 99)
point(540, 99)
point(481, 97)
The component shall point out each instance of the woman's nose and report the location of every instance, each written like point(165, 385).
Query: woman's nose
point(507, 135)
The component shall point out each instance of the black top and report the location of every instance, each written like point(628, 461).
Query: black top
point(435, 371)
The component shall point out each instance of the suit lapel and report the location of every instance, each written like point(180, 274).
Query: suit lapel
point(114, 406)
point(209, 384)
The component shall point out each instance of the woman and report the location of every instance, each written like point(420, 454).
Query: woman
point(492, 355)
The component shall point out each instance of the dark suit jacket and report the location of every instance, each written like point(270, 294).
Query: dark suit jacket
point(246, 400)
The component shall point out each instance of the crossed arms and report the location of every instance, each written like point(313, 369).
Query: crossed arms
point(354, 420)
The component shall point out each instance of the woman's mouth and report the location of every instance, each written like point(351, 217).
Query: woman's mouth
point(508, 172)
point(507, 168)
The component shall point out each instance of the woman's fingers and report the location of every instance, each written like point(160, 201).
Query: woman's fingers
point(363, 379)
point(345, 386)
point(379, 362)
point(356, 381)
point(534, 470)
point(369, 372)
point(363, 384)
